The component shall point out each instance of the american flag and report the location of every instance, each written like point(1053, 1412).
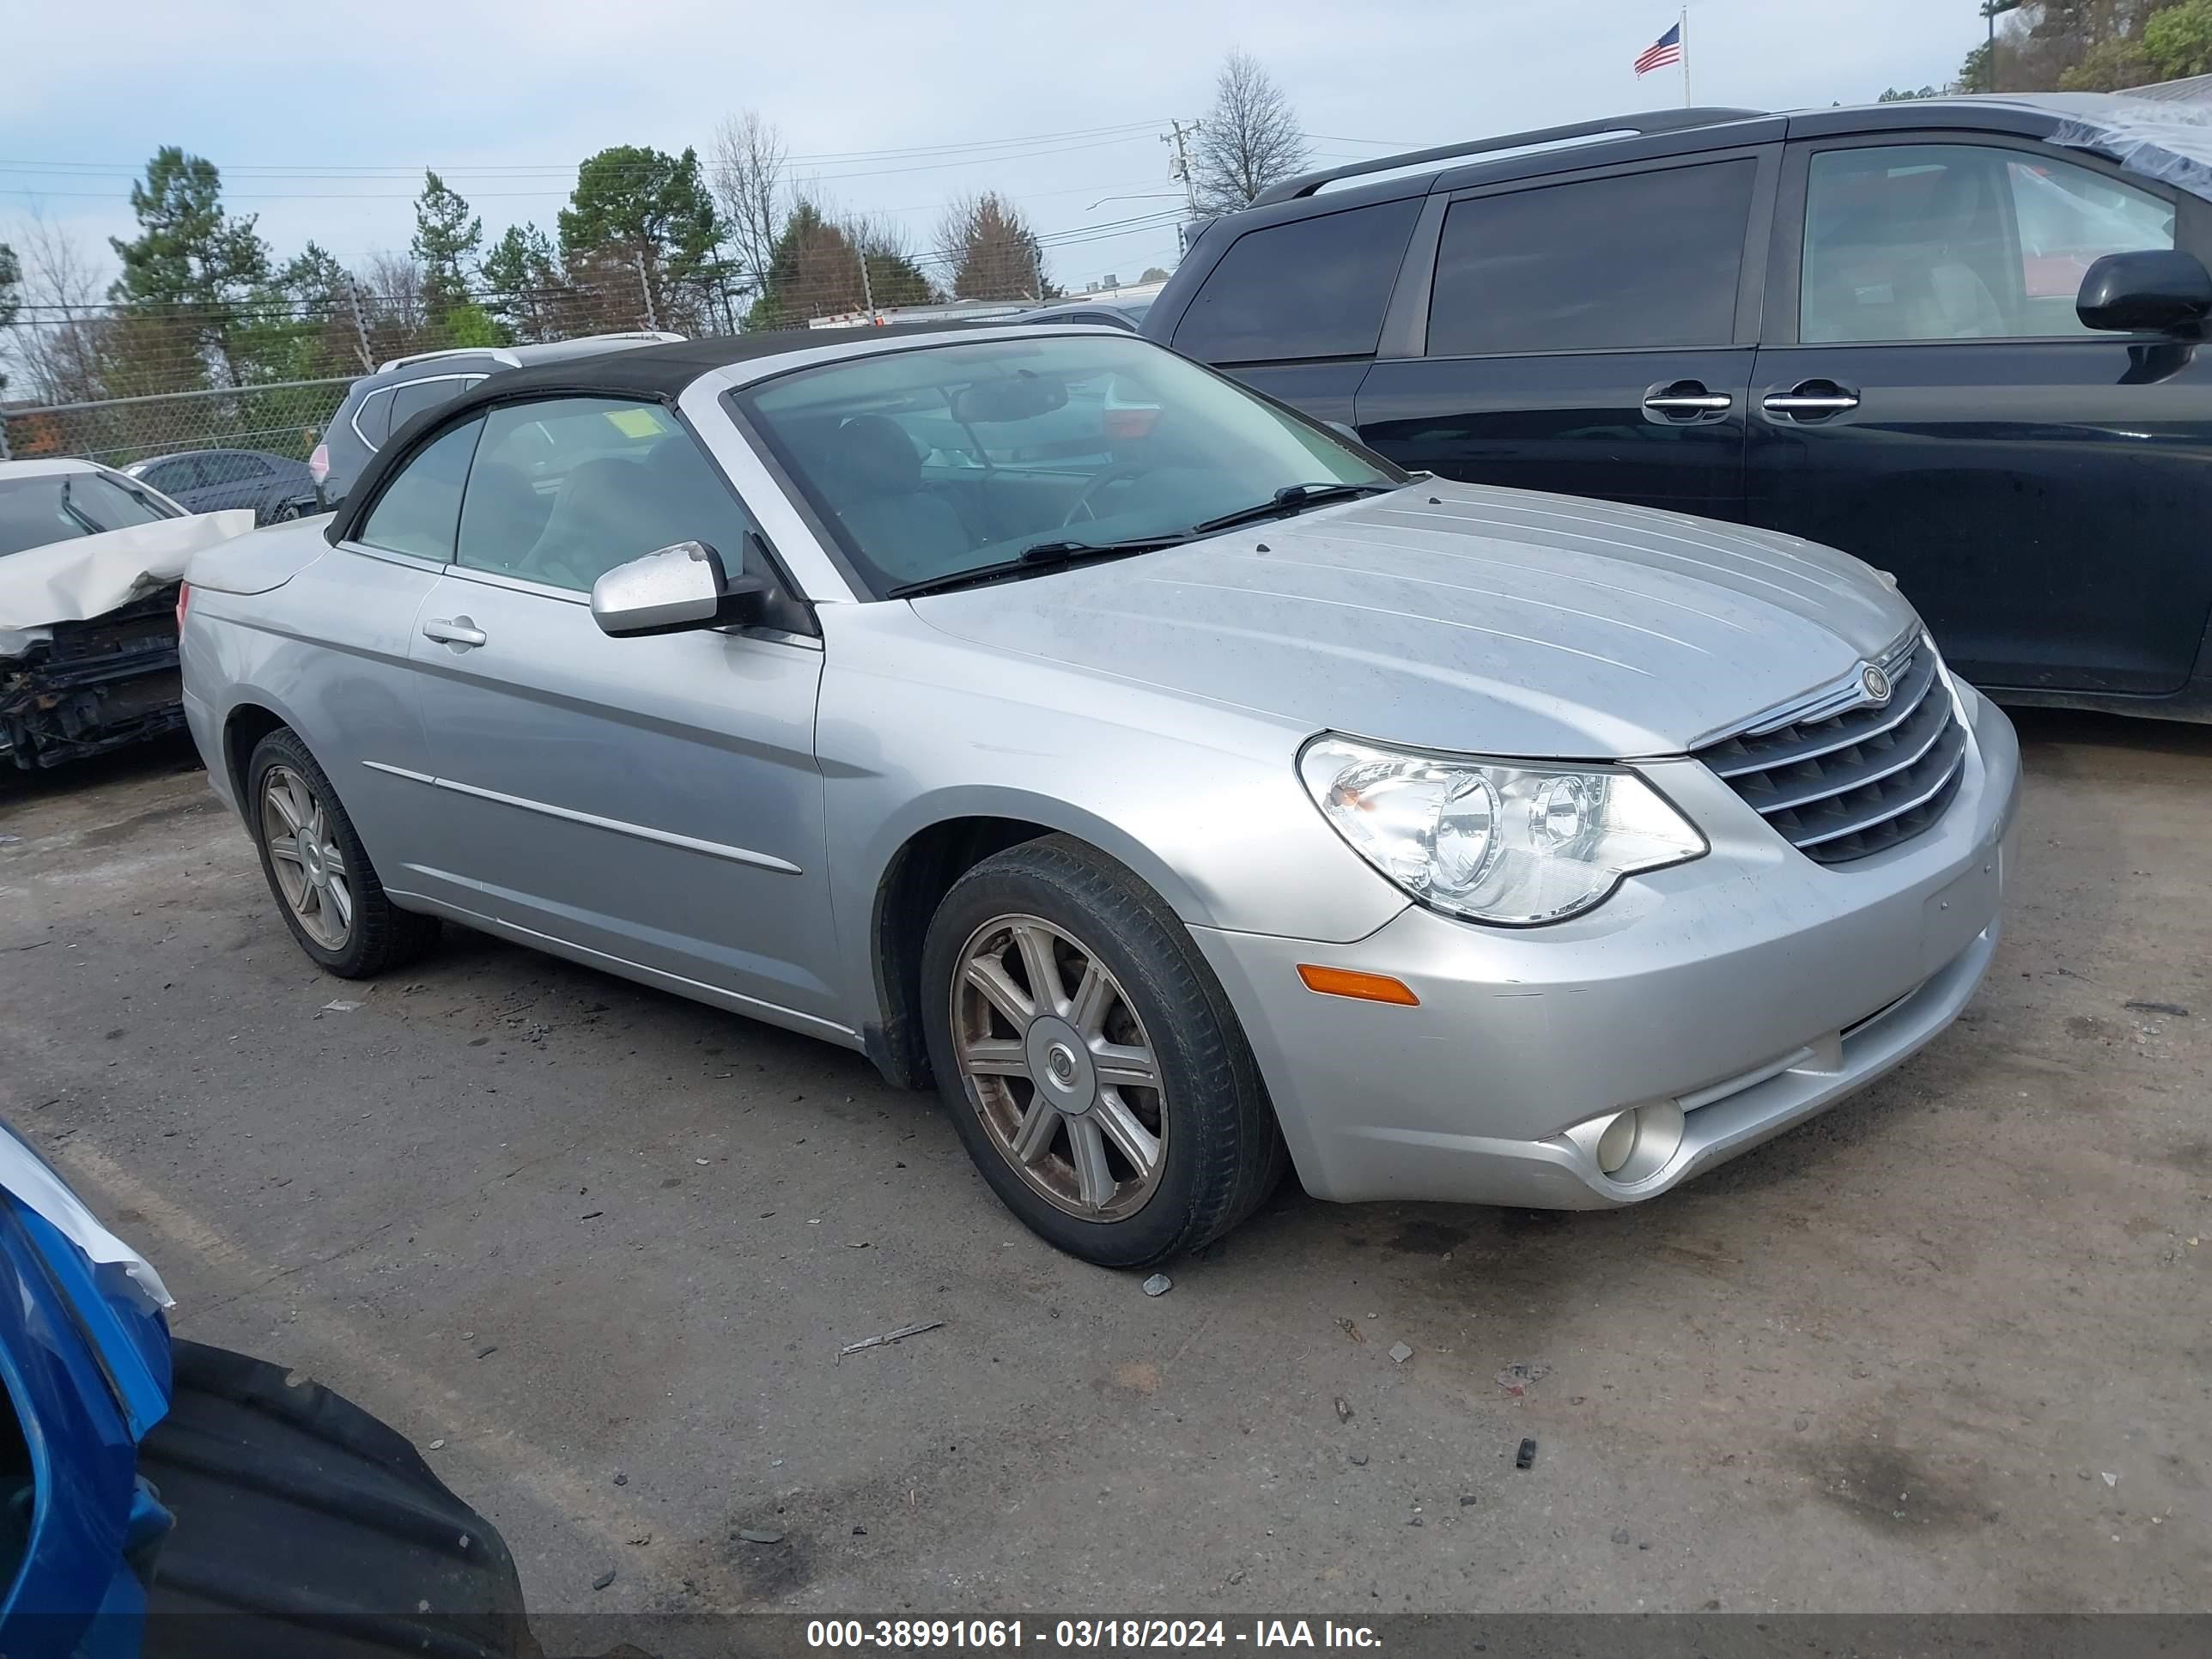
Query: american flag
point(1666, 49)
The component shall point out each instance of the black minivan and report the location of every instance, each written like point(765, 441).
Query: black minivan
point(1959, 338)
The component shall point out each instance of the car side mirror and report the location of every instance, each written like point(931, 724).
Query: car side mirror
point(672, 588)
point(2153, 291)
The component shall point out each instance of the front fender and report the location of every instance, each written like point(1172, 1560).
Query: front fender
point(1201, 801)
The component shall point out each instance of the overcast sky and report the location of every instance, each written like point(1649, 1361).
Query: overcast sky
point(322, 116)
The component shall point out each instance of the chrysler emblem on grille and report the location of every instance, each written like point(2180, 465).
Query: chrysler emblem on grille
point(1876, 683)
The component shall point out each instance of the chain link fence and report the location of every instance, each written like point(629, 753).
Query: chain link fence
point(118, 384)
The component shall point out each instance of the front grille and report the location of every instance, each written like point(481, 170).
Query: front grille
point(1852, 784)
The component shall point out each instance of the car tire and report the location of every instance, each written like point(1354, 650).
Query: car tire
point(317, 869)
point(284, 513)
point(1131, 993)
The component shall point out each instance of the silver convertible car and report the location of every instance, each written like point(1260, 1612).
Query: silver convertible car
point(1185, 792)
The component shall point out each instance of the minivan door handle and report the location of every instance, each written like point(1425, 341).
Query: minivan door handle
point(1682, 401)
point(1810, 400)
point(457, 630)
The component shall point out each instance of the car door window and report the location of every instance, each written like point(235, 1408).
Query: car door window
point(222, 469)
point(174, 477)
point(1959, 241)
point(1313, 288)
point(421, 506)
point(564, 490)
point(1632, 261)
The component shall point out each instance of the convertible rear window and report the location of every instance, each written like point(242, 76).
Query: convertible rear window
point(927, 462)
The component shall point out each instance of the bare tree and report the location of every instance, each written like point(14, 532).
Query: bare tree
point(748, 174)
point(56, 337)
point(395, 303)
point(989, 251)
point(1248, 140)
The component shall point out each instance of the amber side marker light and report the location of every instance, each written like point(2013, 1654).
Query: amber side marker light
point(1362, 987)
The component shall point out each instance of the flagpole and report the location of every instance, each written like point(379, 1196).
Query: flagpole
point(1685, 55)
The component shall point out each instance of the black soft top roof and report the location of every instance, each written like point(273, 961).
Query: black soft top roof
point(658, 371)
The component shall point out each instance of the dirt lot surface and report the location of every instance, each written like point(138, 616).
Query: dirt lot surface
point(1946, 1347)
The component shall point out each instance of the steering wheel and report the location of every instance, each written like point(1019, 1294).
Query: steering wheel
point(1113, 474)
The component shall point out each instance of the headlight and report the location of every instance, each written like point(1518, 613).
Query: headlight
point(1512, 844)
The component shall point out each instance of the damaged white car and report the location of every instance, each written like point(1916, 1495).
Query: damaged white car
point(89, 563)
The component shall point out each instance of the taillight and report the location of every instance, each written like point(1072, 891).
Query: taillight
point(318, 464)
point(184, 598)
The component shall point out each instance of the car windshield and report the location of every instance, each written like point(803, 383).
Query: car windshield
point(58, 506)
point(931, 462)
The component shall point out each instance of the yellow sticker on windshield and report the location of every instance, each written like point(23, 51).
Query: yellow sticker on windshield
point(638, 422)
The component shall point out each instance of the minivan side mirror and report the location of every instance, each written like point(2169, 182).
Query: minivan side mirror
point(672, 588)
point(2151, 290)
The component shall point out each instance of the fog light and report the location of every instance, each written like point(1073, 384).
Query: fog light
point(1616, 1143)
point(1638, 1143)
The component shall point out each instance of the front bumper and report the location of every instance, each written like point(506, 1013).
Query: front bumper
point(92, 686)
point(1752, 987)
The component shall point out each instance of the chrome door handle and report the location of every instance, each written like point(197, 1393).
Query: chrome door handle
point(1688, 403)
point(457, 630)
point(1811, 398)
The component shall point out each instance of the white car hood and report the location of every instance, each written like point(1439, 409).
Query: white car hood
point(1452, 616)
point(89, 576)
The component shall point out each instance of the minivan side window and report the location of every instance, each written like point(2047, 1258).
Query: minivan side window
point(562, 491)
point(1959, 241)
point(372, 422)
point(411, 399)
point(1629, 262)
point(1312, 288)
point(421, 506)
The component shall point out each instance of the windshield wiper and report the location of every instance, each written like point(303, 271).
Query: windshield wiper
point(1290, 498)
point(70, 508)
point(1038, 556)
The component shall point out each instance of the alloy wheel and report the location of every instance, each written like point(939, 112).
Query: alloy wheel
point(303, 851)
point(1059, 1068)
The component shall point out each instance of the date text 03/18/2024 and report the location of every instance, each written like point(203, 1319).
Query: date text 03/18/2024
point(1085, 1634)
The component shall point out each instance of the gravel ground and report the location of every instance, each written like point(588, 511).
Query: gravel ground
point(1945, 1347)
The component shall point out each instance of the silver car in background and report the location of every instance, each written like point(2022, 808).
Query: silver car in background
point(1184, 791)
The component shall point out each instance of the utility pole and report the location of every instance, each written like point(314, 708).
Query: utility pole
point(1179, 136)
point(360, 328)
point(645, 287)
point(867, 288)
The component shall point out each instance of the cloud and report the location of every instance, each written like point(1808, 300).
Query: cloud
point(481, 88)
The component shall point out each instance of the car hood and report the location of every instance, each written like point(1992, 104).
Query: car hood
point(1457, 617)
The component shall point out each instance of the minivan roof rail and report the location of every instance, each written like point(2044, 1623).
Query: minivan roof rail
point(1659, 121)
point(508, 359)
